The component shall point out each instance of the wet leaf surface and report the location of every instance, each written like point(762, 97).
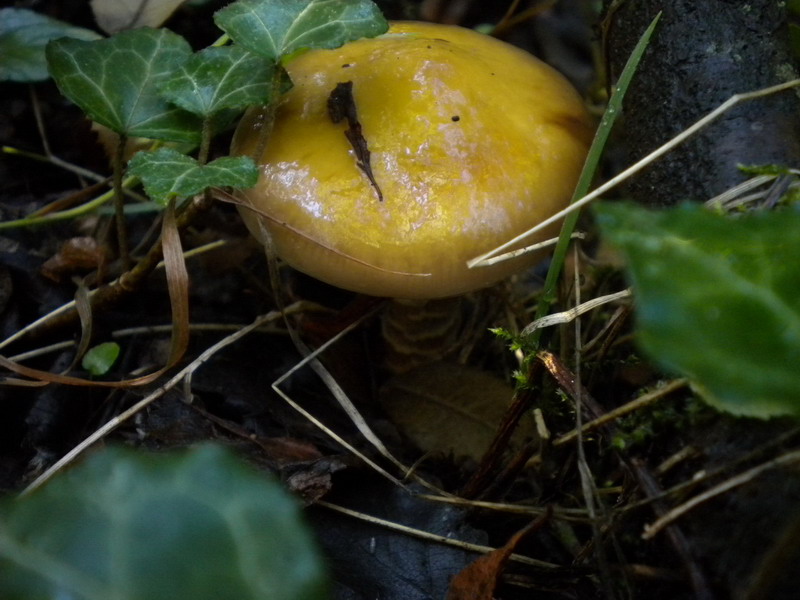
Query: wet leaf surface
point(143, 527)
point(717, 299)
point(275, 30)
point(88, 74)
point(218, 78)
point(168, 174)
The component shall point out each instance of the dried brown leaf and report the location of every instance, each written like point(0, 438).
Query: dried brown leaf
point(76, 255)
point(479, 580)
point(178, 286)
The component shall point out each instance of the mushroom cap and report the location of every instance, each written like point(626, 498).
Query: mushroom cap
point(472, 141)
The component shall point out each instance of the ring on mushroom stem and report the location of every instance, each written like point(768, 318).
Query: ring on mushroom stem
point(394, 160)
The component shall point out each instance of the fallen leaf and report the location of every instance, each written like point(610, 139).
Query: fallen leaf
point(479, 580)
point(447, 408)
point(76, 255)
point(115, 15)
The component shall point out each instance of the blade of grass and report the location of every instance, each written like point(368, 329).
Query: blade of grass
point(612, 111)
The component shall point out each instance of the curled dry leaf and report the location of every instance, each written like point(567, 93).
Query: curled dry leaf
point(76, 255)
point(178, 285)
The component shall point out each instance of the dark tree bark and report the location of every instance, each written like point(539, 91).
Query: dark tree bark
point(703, 52)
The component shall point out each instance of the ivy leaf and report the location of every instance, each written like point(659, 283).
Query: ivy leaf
point(275, 29)
point(135, 526)
point(219, 78)
point(23, 36)
point(99, 359)
point(114, 82)
point(166, 173)
point(717, 300)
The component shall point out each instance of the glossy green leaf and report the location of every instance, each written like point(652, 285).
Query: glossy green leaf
point(23, 37)
point(127, 525)
point(218, 78)
point(717, 299)
point(114, 82)
point(275, 29)
point(166, 173)
point(99, 359)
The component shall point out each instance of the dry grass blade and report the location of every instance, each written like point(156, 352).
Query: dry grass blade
point(591, 497)
point(83, 305)
point(112, 424)
point(735, 100)
point(178, 286)
point(735, 196)
point(440, 539)
point(573, 313)
point(577, 515)
point(658, 525)
point(532, 248)
point(613, 415)
point(310, 358)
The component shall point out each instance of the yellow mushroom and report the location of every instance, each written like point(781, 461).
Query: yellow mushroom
point(396, 159)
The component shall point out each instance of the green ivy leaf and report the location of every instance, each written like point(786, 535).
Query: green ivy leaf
point(23, 36)
point(218, 78)
point(717, 299)
point(166, 173)
point(275, 29)
point(99, 359)
point(134, 526)
point(114, 81)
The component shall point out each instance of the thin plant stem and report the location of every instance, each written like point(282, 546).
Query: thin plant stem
point(54, 160)
point(65, 215)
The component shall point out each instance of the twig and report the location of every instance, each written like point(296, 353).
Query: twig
point(679, 542)
point(490, 462)
point(654, 528)
point(620, 411)
point(113, 292)
point(115, 422)
point(594, 506)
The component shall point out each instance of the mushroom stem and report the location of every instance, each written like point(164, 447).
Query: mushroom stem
point(417, 332)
